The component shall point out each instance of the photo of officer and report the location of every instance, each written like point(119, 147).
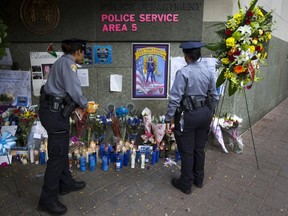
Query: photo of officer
point(60, 96)
point(192, 114)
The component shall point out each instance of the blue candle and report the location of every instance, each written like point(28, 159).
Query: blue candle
point(138, 157)
point(157, 155)
point(121, 159)
point(95, 157)
point(105, 163)
point(126, 158)
point(153, 159)
point(82, 163)
point(112, 156)
point(42, 157)
point(92, 162)
point(177, 155)
point(102, 150)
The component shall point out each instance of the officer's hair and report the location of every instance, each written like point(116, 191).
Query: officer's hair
point(70, 47)
point(194, 54)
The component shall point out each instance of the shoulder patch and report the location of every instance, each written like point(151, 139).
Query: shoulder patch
point(73, 67)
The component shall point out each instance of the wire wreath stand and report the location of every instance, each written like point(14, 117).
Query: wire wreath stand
point(221, 99)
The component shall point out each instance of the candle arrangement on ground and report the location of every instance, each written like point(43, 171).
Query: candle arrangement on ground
point(120, 138)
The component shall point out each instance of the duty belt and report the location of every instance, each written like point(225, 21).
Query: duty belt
point(189, 103)
point(198, 104)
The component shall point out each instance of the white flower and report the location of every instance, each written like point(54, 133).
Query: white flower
point(246, 29)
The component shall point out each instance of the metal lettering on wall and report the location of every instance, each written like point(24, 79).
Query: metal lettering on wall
point(157, 20)
point(40, 16)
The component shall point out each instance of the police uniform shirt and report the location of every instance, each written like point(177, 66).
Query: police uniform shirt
point(63, 79)
point(194, 79)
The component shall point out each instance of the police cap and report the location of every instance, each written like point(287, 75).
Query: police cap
point(191, 45)
point(76, 43)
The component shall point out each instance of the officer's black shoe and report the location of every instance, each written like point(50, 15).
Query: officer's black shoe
point(53, 208)
point(198, 185)
point(76, 187)
point(175, 182)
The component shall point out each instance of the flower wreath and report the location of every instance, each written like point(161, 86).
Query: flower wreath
point(241, 48)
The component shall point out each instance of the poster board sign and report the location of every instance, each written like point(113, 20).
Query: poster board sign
point(16, 83)
point(150, 70)
point(41, 63)
point(179, 62)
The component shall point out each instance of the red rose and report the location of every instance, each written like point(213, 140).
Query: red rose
point(228, 32)
point(232, 58)
point(250, 14)
point(237, 52)
point(247, 22)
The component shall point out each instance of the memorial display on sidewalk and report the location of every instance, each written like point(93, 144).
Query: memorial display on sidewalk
point(121, 137)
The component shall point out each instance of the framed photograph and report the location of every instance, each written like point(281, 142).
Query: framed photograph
point(150, 70)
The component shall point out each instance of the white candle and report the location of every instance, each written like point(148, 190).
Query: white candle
point(31, 154)
point(142, 161)
point(133, 157)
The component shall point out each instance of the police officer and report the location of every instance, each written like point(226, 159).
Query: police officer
point(59, 97)
point(188, 108)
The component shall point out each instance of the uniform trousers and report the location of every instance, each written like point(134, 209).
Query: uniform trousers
point(191, 144)
point(57, 175)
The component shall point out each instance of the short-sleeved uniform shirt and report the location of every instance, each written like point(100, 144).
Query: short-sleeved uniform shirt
point(195, 79)
point(63, 80)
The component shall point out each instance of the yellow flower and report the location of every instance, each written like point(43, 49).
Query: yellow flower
point(255, 41)
point(267, 36)
point(258, 12)
point(252, 48)
point(260, 31)
point(230, 42)
point(263, 56)
point(228, 74)
point(238, 18)
point(225, 61)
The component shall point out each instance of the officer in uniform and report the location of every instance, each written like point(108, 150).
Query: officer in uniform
point(59, 97)
point(190, 108)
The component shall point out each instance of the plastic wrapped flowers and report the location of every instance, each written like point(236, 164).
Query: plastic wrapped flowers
point(228, 124)
point(230, 121)
point(242, 47)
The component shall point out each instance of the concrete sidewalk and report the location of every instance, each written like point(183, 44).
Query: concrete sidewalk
point(233, 185)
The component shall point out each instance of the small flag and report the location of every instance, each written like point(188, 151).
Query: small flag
point(51, 51)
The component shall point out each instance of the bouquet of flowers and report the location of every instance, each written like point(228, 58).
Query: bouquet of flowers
point(229, 124)
point(26, 118)
point(133, 126)
point(241, 48)
point(119, 122)
point(158, 127)
point(148, 138)
point(77, 147)
point(229, 121)
point(147, 120)
point(98, 124)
